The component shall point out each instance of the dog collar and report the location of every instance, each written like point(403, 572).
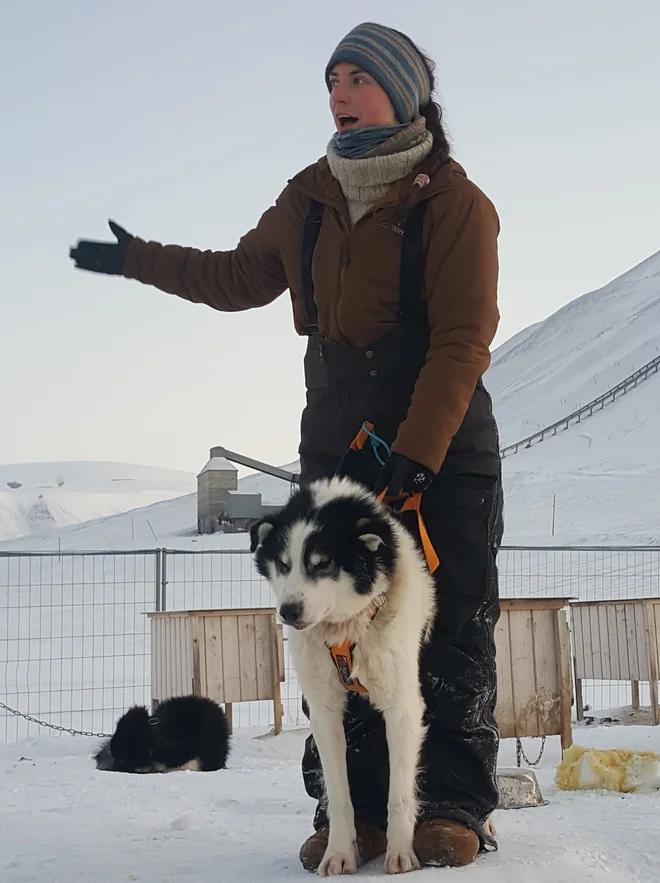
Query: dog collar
point(342, 654)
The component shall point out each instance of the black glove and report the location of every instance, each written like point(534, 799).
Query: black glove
point(102, 257)
point(403, 476)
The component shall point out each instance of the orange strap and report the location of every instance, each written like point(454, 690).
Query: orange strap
point(342, 656)
point(414, 503)
point(360, 439)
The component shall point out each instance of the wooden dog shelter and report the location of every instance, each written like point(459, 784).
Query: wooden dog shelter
point(237, 655)
point(617, 641)
point(228, 655)
point(534, 689)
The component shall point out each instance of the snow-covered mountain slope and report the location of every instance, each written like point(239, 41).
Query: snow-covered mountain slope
point(172, 521)
point(602, 476)
point(37, 499)
point(548, 370)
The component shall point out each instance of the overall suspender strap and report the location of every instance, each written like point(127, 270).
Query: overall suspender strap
point(310, 235)
point(411, 305)
point(411, 270)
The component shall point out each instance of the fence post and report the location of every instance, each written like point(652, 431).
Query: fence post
point(163, 580)
point(157, 579)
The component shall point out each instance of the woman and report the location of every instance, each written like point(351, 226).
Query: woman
point(390, 255)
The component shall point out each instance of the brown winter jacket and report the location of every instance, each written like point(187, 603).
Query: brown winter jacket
point(356, 282)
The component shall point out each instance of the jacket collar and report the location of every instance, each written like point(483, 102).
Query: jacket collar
point(318, 182)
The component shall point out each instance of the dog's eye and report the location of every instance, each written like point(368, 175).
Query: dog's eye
point(283, 565)
point(319, 565)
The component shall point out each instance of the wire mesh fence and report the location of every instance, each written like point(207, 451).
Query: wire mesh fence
point(74, 644)
point(228, 579)
point(585, 573)
point(75, 638)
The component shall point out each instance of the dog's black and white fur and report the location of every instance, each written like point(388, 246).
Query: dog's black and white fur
point(333, 556)
point(187, 733)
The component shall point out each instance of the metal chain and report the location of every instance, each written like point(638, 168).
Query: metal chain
point(520, 754)
point(34, 720)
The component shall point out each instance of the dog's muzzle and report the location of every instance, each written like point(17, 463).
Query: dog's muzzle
point(291, 613)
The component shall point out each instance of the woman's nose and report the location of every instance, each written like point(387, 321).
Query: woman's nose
point(338, 96)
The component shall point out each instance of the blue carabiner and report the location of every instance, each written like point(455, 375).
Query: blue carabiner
point(376, 442)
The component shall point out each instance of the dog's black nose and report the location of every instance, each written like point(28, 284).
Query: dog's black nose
point(291, 612)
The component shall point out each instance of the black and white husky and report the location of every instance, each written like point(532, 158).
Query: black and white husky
point(353, 586)
point(187, 733)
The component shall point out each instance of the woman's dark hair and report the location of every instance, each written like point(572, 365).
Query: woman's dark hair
point(432, 112)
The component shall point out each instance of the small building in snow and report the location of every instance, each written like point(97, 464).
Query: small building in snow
point(214, 483)
point(220, 505)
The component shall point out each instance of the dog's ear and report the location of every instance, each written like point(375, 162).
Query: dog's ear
point(374, 533)
point(372, 541)
point(259, 531)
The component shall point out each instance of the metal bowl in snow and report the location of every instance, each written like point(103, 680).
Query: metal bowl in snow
point(519, 789)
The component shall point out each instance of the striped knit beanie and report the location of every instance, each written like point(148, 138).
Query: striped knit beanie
point(392, 60)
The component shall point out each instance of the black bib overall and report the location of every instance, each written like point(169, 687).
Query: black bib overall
point(463, 514)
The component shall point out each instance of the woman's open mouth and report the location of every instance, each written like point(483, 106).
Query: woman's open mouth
point(345, 122)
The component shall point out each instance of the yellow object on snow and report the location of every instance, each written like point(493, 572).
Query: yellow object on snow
point(616, 769)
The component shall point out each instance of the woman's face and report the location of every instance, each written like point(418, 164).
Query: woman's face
point(357, 101)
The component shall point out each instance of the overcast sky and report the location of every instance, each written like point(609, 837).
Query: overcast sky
point(183, 121)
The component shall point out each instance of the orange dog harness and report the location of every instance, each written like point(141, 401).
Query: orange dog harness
point(342, 654)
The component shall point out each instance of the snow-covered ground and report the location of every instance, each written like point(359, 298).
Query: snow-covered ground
point(50, 496)
point(62, 821)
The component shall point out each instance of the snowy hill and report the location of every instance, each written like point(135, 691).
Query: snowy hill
point(37, 499)
point(172, 521)
point(602, 476)
point(603, 473)
point(548, 370)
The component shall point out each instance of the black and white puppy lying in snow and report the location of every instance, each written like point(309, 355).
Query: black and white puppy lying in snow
point(187, 733)
point(347, 575)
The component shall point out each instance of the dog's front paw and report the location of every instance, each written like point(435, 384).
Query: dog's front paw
point(400, 861)
point(335, 864)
